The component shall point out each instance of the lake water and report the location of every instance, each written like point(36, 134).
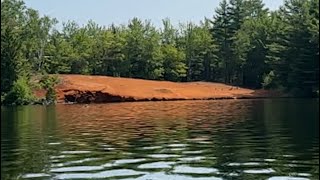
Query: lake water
point(271, 139)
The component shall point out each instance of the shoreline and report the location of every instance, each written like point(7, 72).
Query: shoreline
point(177, 100)
point(88, 89)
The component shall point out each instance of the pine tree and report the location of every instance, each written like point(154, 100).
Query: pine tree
point(304, 63)
point(222, 36)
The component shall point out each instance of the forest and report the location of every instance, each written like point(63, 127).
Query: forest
point(243, 44)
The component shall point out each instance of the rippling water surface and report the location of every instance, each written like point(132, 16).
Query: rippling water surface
point(228, 139)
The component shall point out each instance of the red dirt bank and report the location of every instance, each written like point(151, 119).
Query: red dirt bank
point(100, 89)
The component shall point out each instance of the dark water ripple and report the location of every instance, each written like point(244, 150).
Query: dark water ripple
point(232, 139)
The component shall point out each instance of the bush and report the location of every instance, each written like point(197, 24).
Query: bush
point(269, 81)
point(48, 82)
point(20, 93)
point(51, 95)
point(3, 95)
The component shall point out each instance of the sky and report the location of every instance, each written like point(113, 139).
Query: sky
point(105, 12)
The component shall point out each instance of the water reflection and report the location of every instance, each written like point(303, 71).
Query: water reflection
point(232, 139)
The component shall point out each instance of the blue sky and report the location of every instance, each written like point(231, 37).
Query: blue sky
point(105, 12)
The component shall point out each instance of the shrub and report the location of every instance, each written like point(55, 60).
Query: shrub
point(20, 93)
point(3, 95)
point(51, 95)
point(269, 81)
point(48, 82)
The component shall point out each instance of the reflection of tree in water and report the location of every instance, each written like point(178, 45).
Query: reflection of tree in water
point(9, 141)
point(22, 139)
point(294, 126)
point(276, 130)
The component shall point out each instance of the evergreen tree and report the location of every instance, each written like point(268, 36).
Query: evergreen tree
point(302, 53)
point(13, 64)
point(222, 36)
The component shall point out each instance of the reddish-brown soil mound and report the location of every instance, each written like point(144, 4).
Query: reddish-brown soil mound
point(99, 89)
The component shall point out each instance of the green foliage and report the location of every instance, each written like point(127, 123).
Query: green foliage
point(48, 83)
point(269, 81)
point(12, 37)
point(302, 53)
point(3, 96)
point(175, 68)
point(51, 95)
point(20, 93)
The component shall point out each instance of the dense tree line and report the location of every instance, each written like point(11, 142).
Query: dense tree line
point(243, 44)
